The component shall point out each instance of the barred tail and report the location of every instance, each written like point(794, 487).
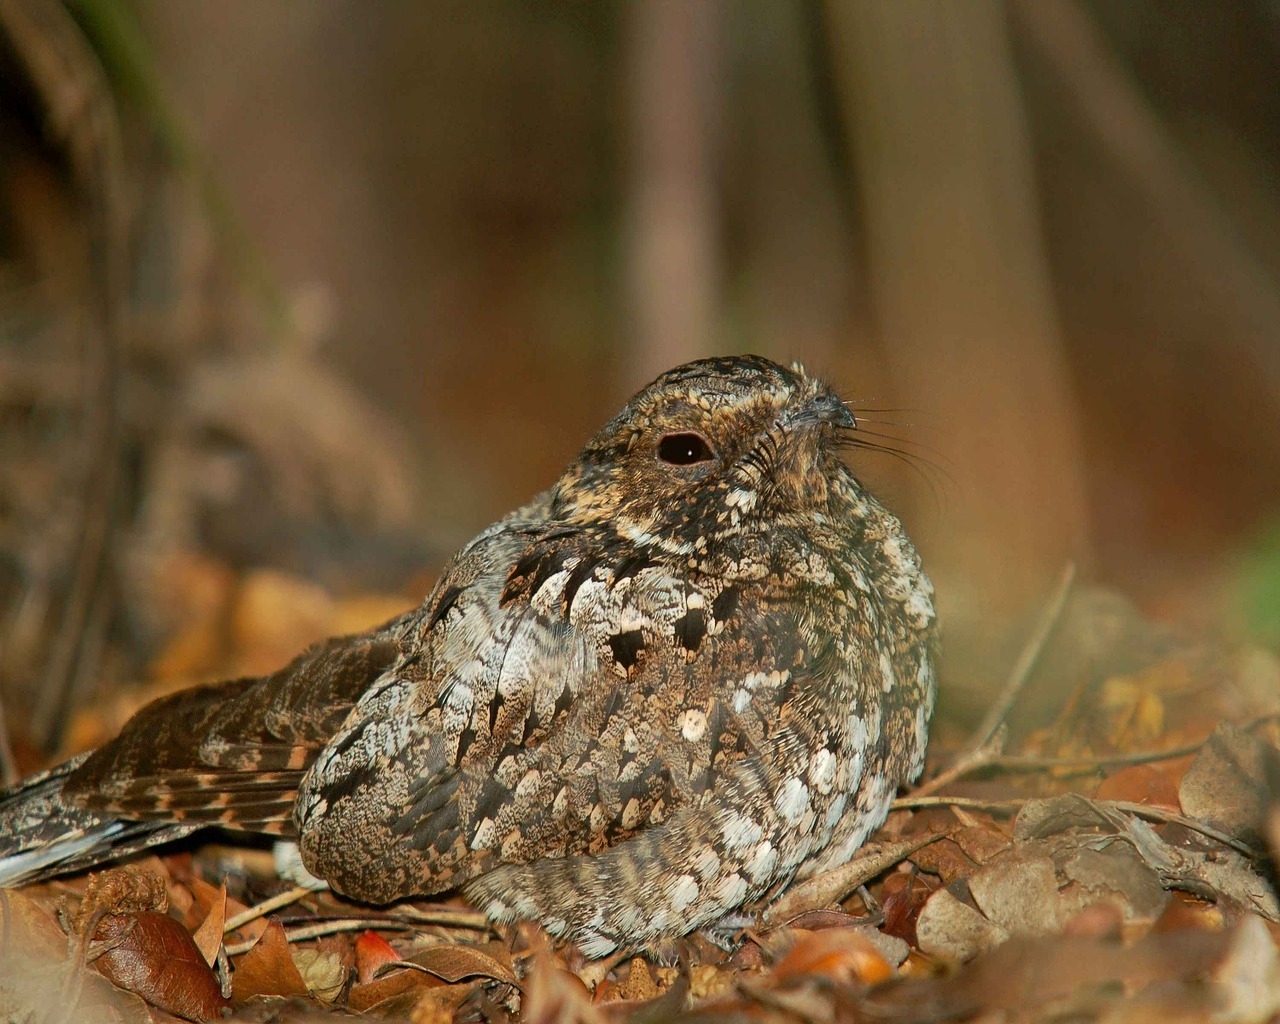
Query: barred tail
point(41, 835)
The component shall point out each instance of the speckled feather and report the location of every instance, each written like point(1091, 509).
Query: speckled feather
point(654, 694)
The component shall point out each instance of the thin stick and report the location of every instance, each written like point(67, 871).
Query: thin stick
point(1163, 817)
point(1144, 811)
point(1026, 662)
point(265, 907)
point(983, 748)
point(313, 931)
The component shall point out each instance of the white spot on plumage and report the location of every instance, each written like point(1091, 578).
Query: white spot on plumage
point(888, 679)
point(760, 867)
point(693, 725)
point(484, 836)
point(740, 833)
point(792, 800)
point(822, 770)
point(681, 892)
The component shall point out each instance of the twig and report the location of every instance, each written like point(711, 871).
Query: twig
point(1163, 817)
point(312, 931)
point(1086, 763)
point(913, 802)
point(833, 886)
point(1026, 662)
point(1144, 811)
point(266, 906)
point(984, 746)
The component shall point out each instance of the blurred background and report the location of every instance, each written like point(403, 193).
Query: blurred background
point(296, 297)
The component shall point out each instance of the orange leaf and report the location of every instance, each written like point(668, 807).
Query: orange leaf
point(372, 952)
point(268, 969)
point(841, 954)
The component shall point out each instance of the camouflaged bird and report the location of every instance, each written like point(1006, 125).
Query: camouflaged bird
point(695, 669)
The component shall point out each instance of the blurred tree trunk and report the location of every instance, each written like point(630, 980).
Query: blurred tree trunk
point(963, 304)
point(671, 245)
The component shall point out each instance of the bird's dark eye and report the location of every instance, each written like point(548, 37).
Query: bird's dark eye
point(684, 449)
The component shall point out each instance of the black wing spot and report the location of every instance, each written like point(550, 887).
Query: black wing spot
point(493, 794)
point(465, 739)
point(725, 604)
point(564, 702)
point(518, 578)
point(690, 628)
point(447, 600)
point(582, 572)
point(548, 567)
point(495, 705)
point(626, 647)
point(630, 566)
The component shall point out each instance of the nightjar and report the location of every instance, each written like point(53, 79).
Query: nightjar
point(696, 668)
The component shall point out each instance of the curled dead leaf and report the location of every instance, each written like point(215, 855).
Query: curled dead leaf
point(153, 955)
point(454, 963)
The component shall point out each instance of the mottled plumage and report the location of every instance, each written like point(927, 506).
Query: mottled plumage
point(695, 669)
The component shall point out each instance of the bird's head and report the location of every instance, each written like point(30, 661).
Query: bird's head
point(713, 449)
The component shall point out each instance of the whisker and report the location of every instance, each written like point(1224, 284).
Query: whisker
point(904, 440)
point(930, 471)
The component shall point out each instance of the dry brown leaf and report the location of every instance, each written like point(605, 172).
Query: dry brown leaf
point(903, 896)
point(455, 962)
point(1227, 786)
point(153, 955)
point(953, 930)
point(553, 995)
point(1140, 784)
point(440, 1005)
point(945, 859)
point(267, 969)
point(208, 937)
point(37, 975)
point(366, 996)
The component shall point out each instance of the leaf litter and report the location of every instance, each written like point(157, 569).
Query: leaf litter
point(1118, 866)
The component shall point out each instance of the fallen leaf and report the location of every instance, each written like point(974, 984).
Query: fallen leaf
point(40, 981)
point(368, 995)
point(953, 930)
point(553, 995)
point(904, 895)
point(453, 963)
point(324, 974)
point(1140, 784)
point(153, 955)
point(208, 937)
point(838, 954)
point(1019, 893)
point(267, 969)
point(1226, 784)
point(372, 952)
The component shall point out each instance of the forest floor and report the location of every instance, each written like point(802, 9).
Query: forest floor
point(1118, 866)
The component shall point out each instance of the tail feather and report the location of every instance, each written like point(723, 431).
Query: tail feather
point(41, 835)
